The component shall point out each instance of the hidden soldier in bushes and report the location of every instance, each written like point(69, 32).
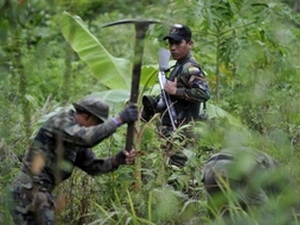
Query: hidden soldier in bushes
point(63, 142)
point(186, 86)
point(241, 179)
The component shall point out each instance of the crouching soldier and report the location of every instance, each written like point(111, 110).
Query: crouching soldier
point(66, 139)
point(248, 180)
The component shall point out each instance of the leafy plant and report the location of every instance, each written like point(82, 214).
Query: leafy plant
point(50, 58)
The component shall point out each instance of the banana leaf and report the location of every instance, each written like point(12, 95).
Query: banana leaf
point(214, 111)
point(112, 72)
point(115, 73)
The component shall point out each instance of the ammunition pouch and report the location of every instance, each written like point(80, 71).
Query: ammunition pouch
point(149, 108)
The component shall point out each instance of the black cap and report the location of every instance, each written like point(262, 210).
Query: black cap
point(179, 32)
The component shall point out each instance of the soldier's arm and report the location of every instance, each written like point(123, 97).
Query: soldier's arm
point(87, 161)
point(68, 130)
point(195, 87)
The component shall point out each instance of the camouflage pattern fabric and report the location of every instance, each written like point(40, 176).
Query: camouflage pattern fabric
point(191, 82)
point(253, 177)
point(192, 89)
point(32, 205)
point(60, 145)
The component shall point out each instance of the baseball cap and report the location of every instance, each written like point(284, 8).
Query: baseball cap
point(179, 32)
point(93, 105)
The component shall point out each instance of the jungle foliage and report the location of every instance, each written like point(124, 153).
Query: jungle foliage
point(52, 53)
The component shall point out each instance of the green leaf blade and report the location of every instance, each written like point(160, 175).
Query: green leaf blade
point(112, 72)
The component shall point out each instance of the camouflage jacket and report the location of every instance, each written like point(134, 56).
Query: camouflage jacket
point(192, 89)
point(60, 145)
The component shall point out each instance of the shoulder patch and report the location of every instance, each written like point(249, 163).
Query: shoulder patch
point(193, 70)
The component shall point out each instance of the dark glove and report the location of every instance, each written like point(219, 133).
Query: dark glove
point(129, 114)
point(120, 158)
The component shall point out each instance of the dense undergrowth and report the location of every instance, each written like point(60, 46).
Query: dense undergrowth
point(250, 53)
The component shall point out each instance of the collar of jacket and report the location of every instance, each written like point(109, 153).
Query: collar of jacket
point(185, 59)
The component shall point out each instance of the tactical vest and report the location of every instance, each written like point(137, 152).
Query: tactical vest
point(186, 111)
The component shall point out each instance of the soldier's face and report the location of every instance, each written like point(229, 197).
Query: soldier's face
point(92, 121)
point(179, 49)
point(87, 120)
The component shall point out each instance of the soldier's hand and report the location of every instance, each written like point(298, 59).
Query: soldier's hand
point(129, 114)
point(125, 157)
point(171, 87)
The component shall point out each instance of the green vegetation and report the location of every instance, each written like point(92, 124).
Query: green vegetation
point(54, 52)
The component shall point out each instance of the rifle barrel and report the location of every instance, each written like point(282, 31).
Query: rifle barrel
point(170, 107)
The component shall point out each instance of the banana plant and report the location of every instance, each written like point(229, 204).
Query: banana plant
point(115, 73)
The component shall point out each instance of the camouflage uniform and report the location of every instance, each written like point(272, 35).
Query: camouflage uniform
point(253, 176)
point(60, 145)
point(192, 90)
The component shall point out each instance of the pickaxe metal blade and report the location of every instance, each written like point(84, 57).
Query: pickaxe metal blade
point(141, 28)
point(143, 22)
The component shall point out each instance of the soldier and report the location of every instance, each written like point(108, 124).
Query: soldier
point(186, 86)
point(63, 142)
point(247, 179)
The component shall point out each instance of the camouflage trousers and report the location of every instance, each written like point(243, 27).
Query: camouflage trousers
point(32, 205)
point(176, 158)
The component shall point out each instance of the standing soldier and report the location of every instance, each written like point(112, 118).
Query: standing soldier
point(65, 139)
point(186, 86)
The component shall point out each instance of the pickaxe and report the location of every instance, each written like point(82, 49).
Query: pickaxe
point(141, 28)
